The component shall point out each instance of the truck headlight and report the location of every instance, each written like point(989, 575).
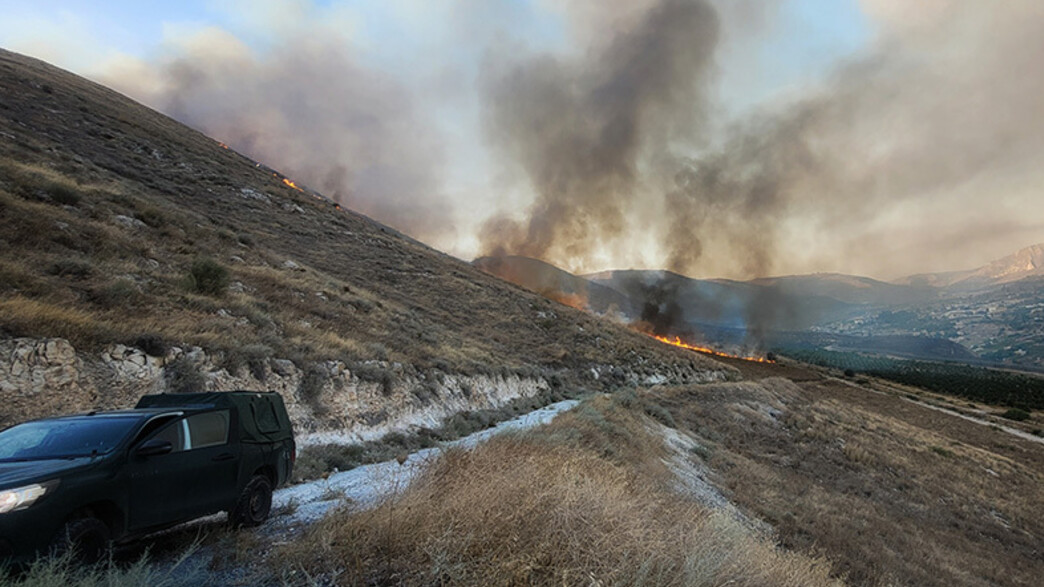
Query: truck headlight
point(19, 498)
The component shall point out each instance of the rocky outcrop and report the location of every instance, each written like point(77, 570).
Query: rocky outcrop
point(42, 377)
point(328, 402)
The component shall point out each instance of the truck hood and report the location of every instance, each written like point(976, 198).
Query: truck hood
point(22, 473)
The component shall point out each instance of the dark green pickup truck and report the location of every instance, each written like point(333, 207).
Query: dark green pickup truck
point(86, 481)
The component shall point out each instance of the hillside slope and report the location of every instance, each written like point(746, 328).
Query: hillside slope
point(132, 236)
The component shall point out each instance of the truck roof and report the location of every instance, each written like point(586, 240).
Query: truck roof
point(262, 415)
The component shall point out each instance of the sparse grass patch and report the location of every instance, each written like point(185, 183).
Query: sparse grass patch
point(21, 316)
point(63, 572)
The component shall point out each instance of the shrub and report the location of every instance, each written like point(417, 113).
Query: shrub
point(311, 386)
point(184, 376)
point(152, 344)
point(151, 216)
point(118, 294)
point(209, 277)
point(1017, 414)
point(252, 356)
point(72, 268)
point(63, 194)
point(375, 374)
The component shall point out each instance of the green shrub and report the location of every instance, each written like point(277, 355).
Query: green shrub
point(208, 277)
point(1017, 414)
point(63, 194)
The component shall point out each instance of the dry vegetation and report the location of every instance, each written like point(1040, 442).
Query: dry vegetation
point(119, 225)
point(583, 501)
point(889, 491)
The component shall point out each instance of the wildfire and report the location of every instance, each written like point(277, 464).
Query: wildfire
point(701, 349)
point(291, 184)
point(222, 145)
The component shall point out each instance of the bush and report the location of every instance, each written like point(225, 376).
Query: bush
point(253, 356)
point(151, 216)
point(152, 344)
point(208, 277)
point(71, 268)
point(184, 376)
point(1017, 414)
point(312, 386)
point(375, 374)
point(63, 194)
point(118, 294)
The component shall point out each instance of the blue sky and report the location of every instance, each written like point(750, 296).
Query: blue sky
point(805, 39)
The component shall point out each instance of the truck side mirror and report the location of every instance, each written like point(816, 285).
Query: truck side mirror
point(154, 447)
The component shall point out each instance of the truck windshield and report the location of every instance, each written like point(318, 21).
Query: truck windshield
point(66, 438)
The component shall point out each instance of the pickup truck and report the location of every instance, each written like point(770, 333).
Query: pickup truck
point(83, 482)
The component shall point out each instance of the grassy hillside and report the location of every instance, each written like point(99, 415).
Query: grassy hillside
point(120, 225)
point(589, 499)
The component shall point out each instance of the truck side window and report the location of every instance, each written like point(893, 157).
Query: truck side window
point(173, 433)
point(207, 429)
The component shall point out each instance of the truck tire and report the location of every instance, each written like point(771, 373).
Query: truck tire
point(254, 503)
point(85, 540)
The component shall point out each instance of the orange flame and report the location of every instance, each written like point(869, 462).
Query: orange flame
point(701, 349)
point(222, 145)
point(291, 184)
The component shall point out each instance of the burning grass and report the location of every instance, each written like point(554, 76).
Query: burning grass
point(586, 500)
point(678, 342)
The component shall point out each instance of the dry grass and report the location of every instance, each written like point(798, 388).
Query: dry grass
point(553, 507)
point(890, 492)
point(105, 206)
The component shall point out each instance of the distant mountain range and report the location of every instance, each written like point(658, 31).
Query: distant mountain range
point(1028, 262)
point(994, 313)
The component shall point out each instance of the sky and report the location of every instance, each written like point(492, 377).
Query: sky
point(716, 138)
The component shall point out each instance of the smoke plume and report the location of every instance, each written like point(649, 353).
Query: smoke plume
point(582, 129)
point(898, 151)
point(309, 109)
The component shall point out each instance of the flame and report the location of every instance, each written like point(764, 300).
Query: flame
point(701, 349)
point(222, 145)
point(291, 184)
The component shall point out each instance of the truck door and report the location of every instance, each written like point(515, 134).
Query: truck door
point(196, 478)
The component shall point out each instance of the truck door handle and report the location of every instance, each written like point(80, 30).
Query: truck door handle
point(225, 456)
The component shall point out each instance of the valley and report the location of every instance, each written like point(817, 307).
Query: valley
point(503, 421)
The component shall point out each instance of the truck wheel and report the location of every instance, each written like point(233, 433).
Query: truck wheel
point(254, 503)
point(86, 540)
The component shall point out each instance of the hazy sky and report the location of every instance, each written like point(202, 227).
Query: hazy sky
point(725, 138)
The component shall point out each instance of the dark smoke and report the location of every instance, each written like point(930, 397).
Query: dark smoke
point(582, 130)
